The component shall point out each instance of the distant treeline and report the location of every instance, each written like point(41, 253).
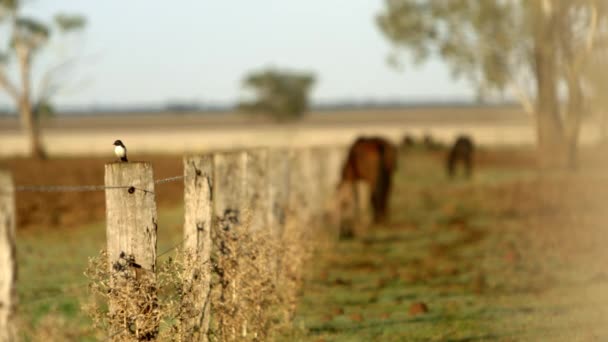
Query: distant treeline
point(221, 108)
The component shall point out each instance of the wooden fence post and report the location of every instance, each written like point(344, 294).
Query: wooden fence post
point(319, 157)
point(299, 203)
point(256, 183)
point(198, 220)
point(8, 266)
point(309, 177)
point(335, 161)
point(229, 197)
point(131, 239)
point(336, 156)
point(278, 190)
point(229, 217)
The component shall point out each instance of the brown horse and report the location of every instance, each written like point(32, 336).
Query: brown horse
point(371, 160)
point(461, 152)
point(408, 141)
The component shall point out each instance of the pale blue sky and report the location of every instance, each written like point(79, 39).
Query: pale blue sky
point(150, 51)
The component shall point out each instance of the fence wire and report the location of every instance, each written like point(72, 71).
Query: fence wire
point(87, 188)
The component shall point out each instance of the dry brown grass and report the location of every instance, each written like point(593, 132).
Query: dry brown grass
point(133, 312)
point(256, 280)
point(54, 327)
point(144, 306)
point(245, 294)
point(295, 252)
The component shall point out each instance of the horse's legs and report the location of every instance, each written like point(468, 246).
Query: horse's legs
point(451, 164)
point(376, 200)
point(469, 164)
point(383, 194)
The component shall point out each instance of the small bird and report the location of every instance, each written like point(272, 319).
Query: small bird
point(120, 150)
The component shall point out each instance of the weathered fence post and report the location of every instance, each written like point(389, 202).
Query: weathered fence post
point(229, 197)
point(335, 162)
point(276, 210)
point(315, 185)
point(131, 239)
point(256, 172)
point(198, 220)
point(320, 158)
point(300, 207)
point(229, 211)
point(278, 190)
point(8, 266)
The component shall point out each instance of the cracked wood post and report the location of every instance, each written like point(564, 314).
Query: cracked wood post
point(131, 234)
point(319, 157)
point(256, 183)
point(229, 191)
point(278, 195)
point(278, 190)
point(198, 201)
point(299, 197)
point(336, 156)
point(230, 217)
point(8, 266)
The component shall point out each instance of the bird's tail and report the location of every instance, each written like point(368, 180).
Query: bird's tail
point(124, 159)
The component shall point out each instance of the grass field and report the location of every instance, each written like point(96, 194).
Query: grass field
point(195, 132)
point(52, 286)
point(507, 256)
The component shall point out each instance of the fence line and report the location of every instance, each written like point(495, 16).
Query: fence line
point(228, 196)
point(86, 188)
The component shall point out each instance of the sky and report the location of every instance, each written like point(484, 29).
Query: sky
point(153, 52)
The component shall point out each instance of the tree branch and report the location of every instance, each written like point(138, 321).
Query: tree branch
point(589, 40)
point(523, 98)
point(8, 86)
point(47, 87)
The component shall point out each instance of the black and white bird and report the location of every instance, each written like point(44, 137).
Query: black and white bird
point(120, 150)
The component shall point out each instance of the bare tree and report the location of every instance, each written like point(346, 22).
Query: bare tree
point(27, 37)
point(536, 49)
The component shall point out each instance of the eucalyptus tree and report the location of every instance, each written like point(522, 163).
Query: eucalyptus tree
point(27, 37)
point(535, 50)
point(279, 94)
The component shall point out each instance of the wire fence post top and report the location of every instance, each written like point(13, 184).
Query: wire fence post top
point(131, 212)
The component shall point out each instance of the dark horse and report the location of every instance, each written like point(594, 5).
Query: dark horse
point(461, 152)
point(373, 161)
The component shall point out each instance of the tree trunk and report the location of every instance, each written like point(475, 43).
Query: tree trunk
point(573, 118)
point(31, 126)
point(603, 126)
point(29, 121)
point(549, 127)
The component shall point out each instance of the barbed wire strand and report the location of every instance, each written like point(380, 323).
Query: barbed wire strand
point(82, 285)
point(87, 188)
point(168, 179)
point(167, 251)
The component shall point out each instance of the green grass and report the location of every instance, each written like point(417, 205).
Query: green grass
point(51, 281)
point(447, 246)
